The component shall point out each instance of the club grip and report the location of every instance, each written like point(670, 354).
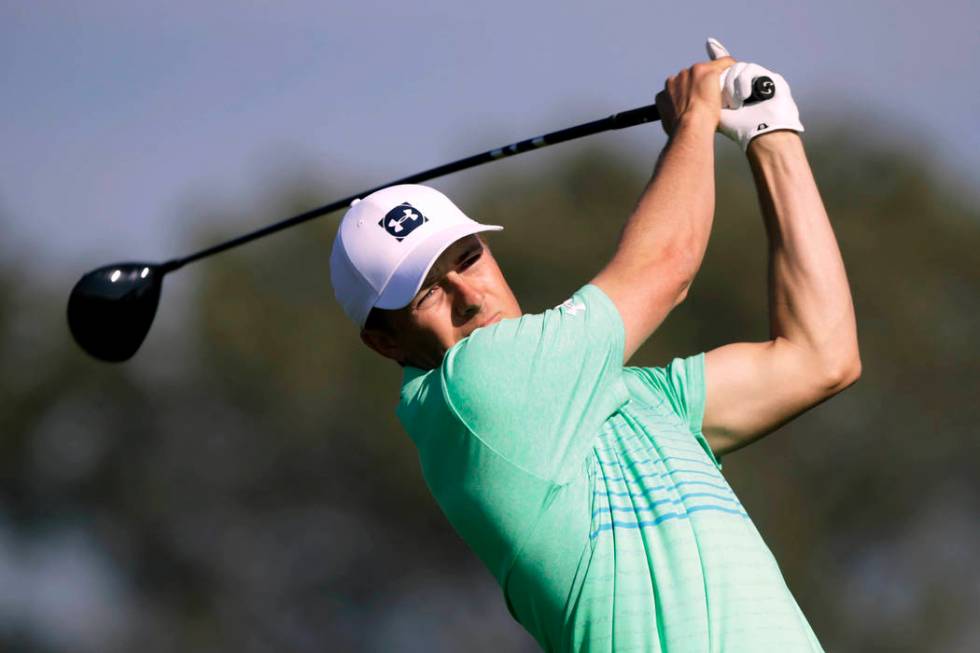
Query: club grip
point(763, 88)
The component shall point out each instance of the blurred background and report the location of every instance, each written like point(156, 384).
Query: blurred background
point(242, 483)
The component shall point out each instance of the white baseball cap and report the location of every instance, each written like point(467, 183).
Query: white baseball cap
point(386, 244)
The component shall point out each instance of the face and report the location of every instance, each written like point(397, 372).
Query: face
point(464, 290)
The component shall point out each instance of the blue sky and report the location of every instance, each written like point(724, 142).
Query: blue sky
point(119, 115)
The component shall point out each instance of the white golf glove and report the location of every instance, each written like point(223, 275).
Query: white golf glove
point(743, 122)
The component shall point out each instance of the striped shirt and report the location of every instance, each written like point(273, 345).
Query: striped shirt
point(589, 491)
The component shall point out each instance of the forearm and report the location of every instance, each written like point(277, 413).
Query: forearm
point(672, 219)
point(809, 299)
point(664, 239)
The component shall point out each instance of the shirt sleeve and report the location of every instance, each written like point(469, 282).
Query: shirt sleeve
point(681, 382)
point(537, 389)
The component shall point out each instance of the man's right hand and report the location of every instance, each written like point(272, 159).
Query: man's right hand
point(693, 94)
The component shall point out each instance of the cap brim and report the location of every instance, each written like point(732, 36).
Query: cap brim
point(408, 277)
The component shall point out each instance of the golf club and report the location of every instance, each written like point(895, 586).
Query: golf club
point(111, 309)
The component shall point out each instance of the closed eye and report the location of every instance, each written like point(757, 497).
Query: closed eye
point(464, 264)
point(426, 294)
point(469, 261)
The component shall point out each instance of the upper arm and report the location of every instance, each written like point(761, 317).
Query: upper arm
point(643, 296)
point(753, 388)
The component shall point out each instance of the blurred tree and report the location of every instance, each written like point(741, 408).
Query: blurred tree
point(243, 484)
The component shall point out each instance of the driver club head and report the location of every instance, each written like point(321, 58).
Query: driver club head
point(111, 309)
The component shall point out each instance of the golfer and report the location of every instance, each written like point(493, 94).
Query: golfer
point(591, 490)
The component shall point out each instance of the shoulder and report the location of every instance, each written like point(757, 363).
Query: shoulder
point(539, 368)
point(586, 320)
point(536, 389)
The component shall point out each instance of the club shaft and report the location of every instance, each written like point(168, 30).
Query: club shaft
point(620, 120)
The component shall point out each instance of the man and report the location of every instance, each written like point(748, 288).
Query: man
point(591, 490)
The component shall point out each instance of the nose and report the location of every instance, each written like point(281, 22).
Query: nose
point(467, 298)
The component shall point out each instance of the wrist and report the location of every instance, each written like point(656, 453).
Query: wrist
point(699, 119)
point(774, 143)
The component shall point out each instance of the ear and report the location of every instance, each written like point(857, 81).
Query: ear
point(383, 343)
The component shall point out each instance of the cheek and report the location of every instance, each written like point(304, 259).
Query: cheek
point(500, 288)
point(436, 329)
point(492, 280)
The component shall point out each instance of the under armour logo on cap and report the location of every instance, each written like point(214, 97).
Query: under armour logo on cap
point(402, 220)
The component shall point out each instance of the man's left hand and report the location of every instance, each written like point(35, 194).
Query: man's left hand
point(743, 122)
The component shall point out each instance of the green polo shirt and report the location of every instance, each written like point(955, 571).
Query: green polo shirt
point(590, 493)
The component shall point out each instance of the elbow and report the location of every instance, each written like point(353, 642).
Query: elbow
point(839, 363)
point(682, 292)
point(684, 272)
point(843, 375)
point(674, 274)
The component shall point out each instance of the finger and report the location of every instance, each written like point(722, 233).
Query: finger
point(731, 96)
point(715, 49)
point(666, 108)
point(722, 63)
point(678, 82)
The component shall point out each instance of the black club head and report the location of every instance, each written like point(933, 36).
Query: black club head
point(111, 309)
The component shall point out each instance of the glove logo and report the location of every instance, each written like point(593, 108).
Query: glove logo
point(762, 126)
point(402, 220)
